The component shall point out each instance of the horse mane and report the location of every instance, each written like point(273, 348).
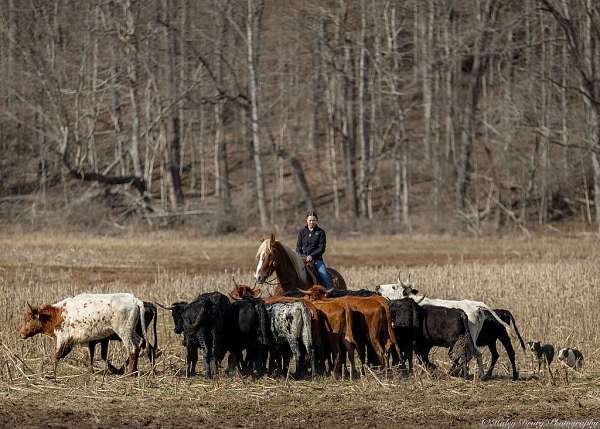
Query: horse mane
point(296, 261)
point(290, 268)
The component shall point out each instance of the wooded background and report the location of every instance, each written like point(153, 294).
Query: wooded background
point(414, 115)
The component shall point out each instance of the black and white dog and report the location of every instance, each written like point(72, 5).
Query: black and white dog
point(542, 353)
point(570, 359)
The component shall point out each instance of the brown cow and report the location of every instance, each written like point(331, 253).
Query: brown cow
point(332, 327)
point(371, 319)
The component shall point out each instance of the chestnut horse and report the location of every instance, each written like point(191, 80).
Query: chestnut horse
point(274, 256)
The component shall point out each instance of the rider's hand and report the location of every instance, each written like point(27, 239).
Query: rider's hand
point(308, 258)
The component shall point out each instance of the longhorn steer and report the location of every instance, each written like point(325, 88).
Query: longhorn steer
point(89, 317)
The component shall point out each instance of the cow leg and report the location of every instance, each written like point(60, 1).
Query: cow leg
point(350, 350)
point(92, 351)
point(232, 363)
point(505, 340)
point(374, 330)
point(286, 357)
point(104, 356)
point(407, 356)
point(208, 356)
point(495, 355)
point(423, 355)
point(133, 365)
point(295, 350)
point(474, 333)
point(191, 359)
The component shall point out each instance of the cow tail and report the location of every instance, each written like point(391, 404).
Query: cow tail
point(142, 310)
point(348, 335)
point(152, 354)
point(306, 328)
point(472, 340)
point(512, 319)
point(263, 323)
point(390, 330)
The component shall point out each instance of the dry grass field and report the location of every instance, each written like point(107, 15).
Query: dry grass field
point(549, 283)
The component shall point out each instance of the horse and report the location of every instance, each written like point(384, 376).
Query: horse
point(274, 256)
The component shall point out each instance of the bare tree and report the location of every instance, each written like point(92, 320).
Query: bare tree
point(488, 13)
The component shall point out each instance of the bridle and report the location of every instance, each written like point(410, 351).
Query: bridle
point(270, 271)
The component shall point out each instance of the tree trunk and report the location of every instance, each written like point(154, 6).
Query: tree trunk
point(132, 49)
point(173, 129)
point(363, 137)
point(253, 90)
point(488, 19)
point(348, 130)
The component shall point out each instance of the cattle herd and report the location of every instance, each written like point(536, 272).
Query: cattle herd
point(320, 330)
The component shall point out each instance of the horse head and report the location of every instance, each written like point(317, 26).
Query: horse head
point(266, 260)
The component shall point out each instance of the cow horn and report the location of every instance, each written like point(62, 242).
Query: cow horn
point(234, 282)
point(328, 291)
point(29, 305)
point(305, 292)
point(164, 306)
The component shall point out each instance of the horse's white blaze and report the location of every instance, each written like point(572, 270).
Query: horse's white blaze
point(259, 266)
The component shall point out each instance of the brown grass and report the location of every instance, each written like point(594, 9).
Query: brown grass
point(549, 283)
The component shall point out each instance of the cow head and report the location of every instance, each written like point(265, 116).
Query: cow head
point(243, 291)
point(177, 310)
point(41, 320)
point(266, 261)
point(399, 290)
point(316, 293)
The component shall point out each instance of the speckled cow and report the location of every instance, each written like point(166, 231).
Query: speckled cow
point(88, 317)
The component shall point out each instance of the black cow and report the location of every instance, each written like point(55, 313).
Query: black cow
point(149, 316)
point(407, 321)
point(423, 327)
point(248, 325)
point(492, 331)
point(204, 325)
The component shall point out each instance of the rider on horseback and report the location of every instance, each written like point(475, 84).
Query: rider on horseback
point(311, 246)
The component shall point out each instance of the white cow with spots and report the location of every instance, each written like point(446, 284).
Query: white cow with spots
point(89, 317)
point(290, 325)
point(474, 310)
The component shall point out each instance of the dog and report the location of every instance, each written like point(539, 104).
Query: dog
point(542, 353)
point(570, 359)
